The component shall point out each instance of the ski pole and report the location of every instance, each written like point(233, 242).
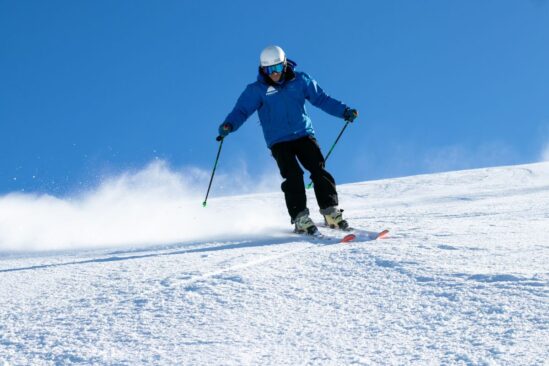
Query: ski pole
point(220, 139)
point(331, 149)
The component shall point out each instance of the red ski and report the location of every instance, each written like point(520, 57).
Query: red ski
point(382, 234)
point(362, 235)
point(353, 235)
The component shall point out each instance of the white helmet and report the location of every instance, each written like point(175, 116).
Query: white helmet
point(272, 55)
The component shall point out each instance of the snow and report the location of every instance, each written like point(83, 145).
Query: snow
point(462, 278)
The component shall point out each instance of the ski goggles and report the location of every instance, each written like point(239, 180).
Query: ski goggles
point(274, 68)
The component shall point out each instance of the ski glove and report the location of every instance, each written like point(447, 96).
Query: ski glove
point(350, 114)
point(225, 128)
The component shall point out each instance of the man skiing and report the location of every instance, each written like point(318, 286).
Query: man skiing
point(279, 96)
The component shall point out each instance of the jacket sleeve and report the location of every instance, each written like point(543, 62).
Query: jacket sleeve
point(248, 102)
point(318, 98)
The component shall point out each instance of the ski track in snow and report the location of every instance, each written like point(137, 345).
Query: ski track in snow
point(462, 279)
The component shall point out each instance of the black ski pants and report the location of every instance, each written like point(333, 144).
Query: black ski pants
point(307, 152)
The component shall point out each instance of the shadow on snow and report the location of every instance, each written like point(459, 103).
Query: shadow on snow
point(236, 244)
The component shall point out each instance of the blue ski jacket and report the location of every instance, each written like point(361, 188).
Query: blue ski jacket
point(281, 106)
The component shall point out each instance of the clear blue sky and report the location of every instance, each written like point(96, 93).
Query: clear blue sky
point(93, 88)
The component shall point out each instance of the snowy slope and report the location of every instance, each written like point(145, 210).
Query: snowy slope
point(463, 279)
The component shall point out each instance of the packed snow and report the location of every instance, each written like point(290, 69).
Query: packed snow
point(137, 272)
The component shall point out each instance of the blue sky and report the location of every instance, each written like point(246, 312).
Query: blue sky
point(90, 89)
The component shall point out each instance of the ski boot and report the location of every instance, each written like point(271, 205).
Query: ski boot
point(304, 224)
point(333, 218)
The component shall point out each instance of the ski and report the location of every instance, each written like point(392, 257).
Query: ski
point(362, 235)
point(321, 238)
point(382, 234)
point(350, 235)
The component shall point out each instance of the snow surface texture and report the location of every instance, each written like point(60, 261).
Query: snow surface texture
point(462, 279)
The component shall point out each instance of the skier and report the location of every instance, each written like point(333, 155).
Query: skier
point(279, 96)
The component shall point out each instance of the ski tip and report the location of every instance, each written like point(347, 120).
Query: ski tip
point(348, 238)
point(382, 234)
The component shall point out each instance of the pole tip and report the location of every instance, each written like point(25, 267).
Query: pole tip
point(204, 204)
